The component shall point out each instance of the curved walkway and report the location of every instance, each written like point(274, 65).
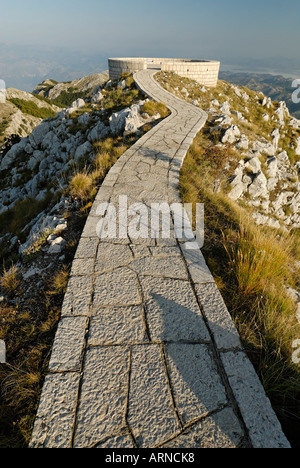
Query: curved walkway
point(146, 354)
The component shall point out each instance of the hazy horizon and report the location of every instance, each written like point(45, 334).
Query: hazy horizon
point(70, 39)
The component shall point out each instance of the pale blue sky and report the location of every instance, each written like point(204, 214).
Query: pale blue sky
point(70, 38)
point(255, 28)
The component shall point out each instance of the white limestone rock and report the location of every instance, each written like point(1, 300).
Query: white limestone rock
point(83, 150)
point(272, 163)
point(264, 146)
point(225, 108)
point(97, 98)
point(38, 134)
point(99, 131)
point(259, 187)
point(231, 134)
point(243, 143)
point(12, 155)
point(128, 120)
point(215, 103)
point(253, 165)
point(276, 137)
point(223, 120)
point(297, 146)
point(267, 102)
point(78, 104)
point(57, 246)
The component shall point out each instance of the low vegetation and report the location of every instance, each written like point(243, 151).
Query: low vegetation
point(28, 321)
point(152, 108)
point(28, 328)
point(3, 125)
point(31, 108)
point(252, 266)
point(66, 98)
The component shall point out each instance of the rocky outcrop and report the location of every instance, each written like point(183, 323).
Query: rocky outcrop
point(53, 90)
point(39, 164)
point(21, 122)
point(265, 176)
point(130, 120)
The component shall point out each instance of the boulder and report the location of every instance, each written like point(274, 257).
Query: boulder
point(57, 246)
point(223, 120)
point(253, 165)
point(272, 163)
point(225, 108)
point(298, 146)
point(238, 114)
point(243, 143)
point(231, 134)
point(12, 155)
point(38, 134)
point(128, 120)
point(281, 112)
point(264, 147)
point(99, 131)
point(215, 103)
point(84, 119)
point(237, 191)
point(78, 104)
point(97, 98)
point(83, 150)
point(266, 102)
point(259, 187)
point(276, 137)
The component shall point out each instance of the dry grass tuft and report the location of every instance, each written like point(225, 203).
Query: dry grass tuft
point(82, 186)
point(10, 279)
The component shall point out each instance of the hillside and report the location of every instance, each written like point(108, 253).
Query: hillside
point(276, 87)
point(263, 148)
point(22, 112)
point(244, 165)
point(49, 180)
point(66, 92)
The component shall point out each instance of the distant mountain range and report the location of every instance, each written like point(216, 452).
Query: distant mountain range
point(23, 67)
point(276, 87)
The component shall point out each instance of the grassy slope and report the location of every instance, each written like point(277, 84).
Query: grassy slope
point(251, 265)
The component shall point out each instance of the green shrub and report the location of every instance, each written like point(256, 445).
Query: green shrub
point(31, 108)
point(66, 98)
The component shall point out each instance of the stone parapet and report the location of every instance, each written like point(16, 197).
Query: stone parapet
point(206, 72)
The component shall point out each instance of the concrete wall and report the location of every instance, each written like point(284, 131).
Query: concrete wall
point(206, 72)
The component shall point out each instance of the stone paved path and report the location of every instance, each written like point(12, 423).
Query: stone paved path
point(146, 354)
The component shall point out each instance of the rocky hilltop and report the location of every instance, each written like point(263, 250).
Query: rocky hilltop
point(23, 111)
point(276, 87)
point(53, 90)
point(263, 165)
